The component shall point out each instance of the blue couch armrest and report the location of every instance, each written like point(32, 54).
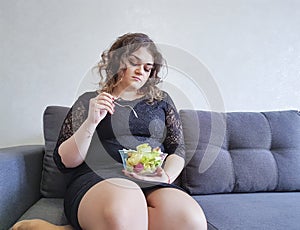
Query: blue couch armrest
point(20, 177)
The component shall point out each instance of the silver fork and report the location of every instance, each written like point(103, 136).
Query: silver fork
point(128, 106)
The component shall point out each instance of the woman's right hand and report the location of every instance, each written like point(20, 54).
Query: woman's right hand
point(99, 106)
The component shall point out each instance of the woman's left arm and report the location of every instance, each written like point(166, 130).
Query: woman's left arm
point(173, 166)
point(173, 145)
point(174, 141)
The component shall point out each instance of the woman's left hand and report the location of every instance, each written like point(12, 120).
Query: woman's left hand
point(159, 176)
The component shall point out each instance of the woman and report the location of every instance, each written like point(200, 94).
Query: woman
point(128, 110)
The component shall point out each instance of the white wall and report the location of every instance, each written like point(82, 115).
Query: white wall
point(251, 49)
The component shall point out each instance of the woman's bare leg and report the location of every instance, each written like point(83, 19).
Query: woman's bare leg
point(37, 224)
point(113, 204)
point(171, 208)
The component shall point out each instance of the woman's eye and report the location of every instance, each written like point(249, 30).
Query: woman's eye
point(147, 69)
point(133, 63)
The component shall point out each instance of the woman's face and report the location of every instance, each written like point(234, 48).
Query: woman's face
point(139, 65)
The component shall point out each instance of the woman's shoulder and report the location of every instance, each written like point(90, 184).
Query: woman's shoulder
point(86, 96)
point(166, 97)
point(165, 101)
point(165, 94)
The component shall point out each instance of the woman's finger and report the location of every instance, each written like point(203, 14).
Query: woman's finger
point(105, 105)
point(105, 96)
point(159, 171)
point(100, 108)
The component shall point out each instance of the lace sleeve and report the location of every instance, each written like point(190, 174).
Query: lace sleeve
point(174, 142)
point(75, 117)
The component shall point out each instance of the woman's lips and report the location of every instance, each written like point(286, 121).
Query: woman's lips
point(136, 78)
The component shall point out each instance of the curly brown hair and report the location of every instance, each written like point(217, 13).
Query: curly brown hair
point(112, 65)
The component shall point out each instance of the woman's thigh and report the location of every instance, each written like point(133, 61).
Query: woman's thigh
point(113, 204)
point(170, 208)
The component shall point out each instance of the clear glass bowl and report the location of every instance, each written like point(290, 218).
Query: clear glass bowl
point(145, 164)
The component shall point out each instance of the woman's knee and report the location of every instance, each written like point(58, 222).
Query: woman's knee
point(195, 219)
point(183, 217)
point(191, 215)
point(111, 202)
point(121, 217)
point(184, 210)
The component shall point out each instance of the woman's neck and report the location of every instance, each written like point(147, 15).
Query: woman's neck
point(126, 94)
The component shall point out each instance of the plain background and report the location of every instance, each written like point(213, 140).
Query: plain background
point(251, 50)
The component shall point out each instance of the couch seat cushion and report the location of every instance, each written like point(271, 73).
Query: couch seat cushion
point(49, 209)
point(271, 210)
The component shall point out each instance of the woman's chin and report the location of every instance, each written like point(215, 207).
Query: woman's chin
point(136, 85)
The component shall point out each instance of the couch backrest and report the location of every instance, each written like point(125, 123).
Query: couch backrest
point(53, 182)
point(231, 152)
point(241, 151)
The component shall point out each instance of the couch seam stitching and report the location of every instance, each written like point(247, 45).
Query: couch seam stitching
point(270, 149)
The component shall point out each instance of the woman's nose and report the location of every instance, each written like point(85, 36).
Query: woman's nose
point(139, 69)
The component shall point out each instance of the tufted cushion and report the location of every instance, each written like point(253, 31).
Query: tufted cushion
point(241, 151)
point(53, 181)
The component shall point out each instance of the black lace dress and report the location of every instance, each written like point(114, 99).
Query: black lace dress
point(157, 124)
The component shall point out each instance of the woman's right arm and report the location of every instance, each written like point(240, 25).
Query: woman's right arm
point(74, 149)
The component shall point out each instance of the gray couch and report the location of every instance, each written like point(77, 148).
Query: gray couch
point(243, 168)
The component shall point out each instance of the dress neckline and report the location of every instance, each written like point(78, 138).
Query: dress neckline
point(136, 99)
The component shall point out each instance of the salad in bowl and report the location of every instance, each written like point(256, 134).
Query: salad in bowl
point(145, 160)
